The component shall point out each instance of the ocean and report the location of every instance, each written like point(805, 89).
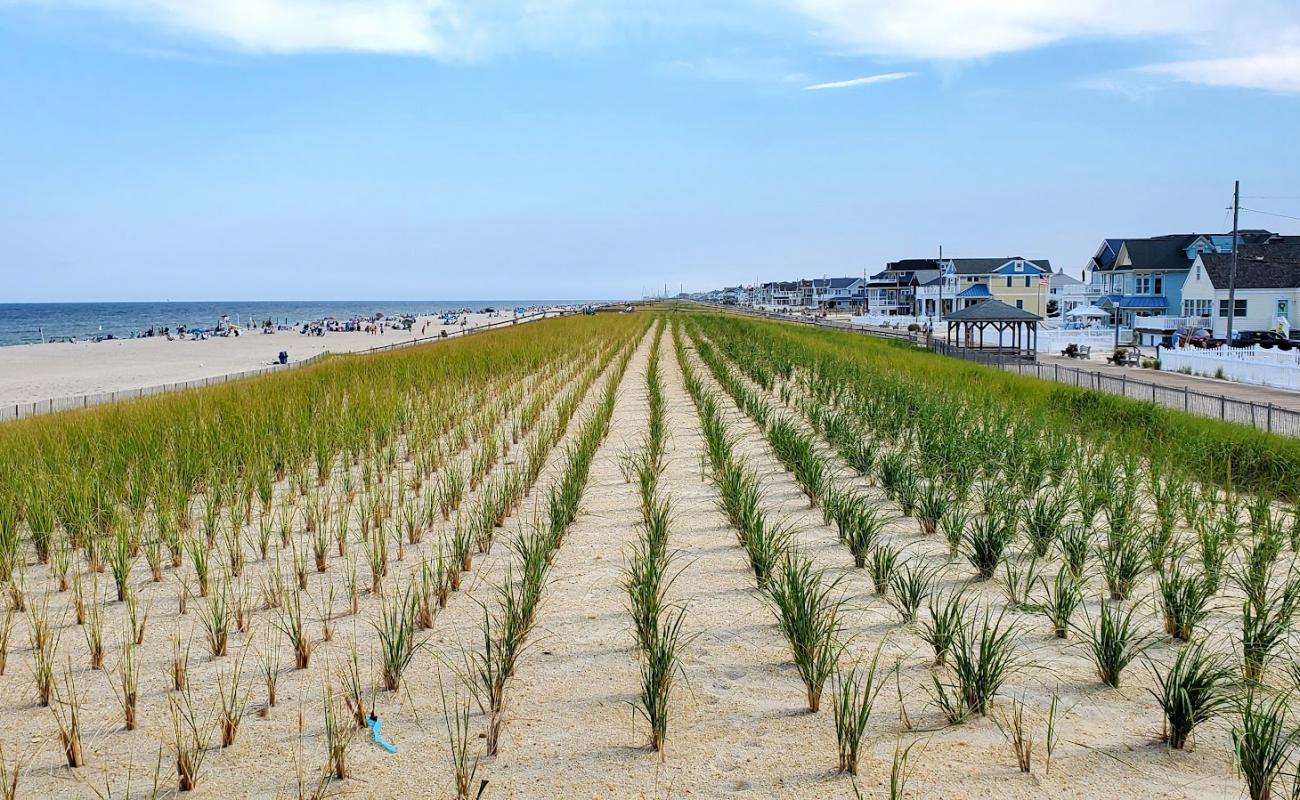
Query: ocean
point(26, 323)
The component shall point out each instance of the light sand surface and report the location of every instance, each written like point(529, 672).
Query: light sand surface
point(36, 372)
point(1110, 744)
point(270, 749)
point(740, 726)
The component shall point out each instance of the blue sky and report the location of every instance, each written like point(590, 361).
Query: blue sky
point(317, 149)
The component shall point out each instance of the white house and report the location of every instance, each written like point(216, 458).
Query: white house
point(1068, 291)
point(828, 292)
point(1267, 295)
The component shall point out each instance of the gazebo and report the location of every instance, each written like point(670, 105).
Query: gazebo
point(968, 325)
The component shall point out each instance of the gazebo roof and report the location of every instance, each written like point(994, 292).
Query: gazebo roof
point(992, 311)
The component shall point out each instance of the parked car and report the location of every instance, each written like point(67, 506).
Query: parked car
point(1203, 338)
point(1265, 339)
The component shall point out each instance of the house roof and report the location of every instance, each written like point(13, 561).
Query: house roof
point(1275, 265)
point(1143, 301)
point(984, 266)
point(901, 277)
point(911, 264)
point(835, 283)
point(1160, 252)
point(1104, 258)
point(992, 311)
point(1166, 252)
point(975, 290)
point(1060, 279)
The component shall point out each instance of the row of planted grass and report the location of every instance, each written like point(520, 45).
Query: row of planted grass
point(501, 407)
point(83, 471)
point(1024, 485)
point(1227, 452)
point(650, 567)
point(506, 627)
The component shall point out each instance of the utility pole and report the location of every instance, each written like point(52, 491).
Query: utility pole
point(943, 278)
point(1232, 273)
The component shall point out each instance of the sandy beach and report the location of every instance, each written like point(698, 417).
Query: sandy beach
point(37, 372)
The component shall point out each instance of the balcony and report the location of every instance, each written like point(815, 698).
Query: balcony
point(1165, 322)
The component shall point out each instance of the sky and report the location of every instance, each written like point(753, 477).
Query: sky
point(599, 149)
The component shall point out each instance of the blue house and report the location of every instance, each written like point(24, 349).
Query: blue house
point(1140, 281)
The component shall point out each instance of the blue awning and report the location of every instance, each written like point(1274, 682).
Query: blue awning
point(975, 290)
point(1143, 301)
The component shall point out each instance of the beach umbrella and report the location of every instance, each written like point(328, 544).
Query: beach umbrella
point(1086, 311)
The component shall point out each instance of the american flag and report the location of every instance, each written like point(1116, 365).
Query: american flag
point(1043, 280)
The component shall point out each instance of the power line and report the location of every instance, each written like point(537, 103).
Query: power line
point(1270, 213)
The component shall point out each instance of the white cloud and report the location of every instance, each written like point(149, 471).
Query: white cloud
point(1273, 70)
point(444, 29)
point(965, 29)
point(960, 30)
point(1251, 44)
point(865, 81)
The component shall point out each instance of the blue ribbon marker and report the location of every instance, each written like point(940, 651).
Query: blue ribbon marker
point(374, 723)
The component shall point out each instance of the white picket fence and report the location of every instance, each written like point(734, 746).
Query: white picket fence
point(1052, 342)
point(1263, 367)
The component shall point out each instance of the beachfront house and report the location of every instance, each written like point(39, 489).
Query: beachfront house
point(779, 294)
point(893, 291)
point(836, 292)
point(934, 298)
point(1019, 282)
point(1267, 295)
point(1064, 294)
point(1140, 280)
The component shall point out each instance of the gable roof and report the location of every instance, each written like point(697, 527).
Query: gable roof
point(1275, 265)
point(1060, 279)
point(835, 283)
point(985, 266)
point(1160, 252)
point(911, 264)
point(902, 277)
point(991, 311)
point(1167, 252)
point(1105, 256)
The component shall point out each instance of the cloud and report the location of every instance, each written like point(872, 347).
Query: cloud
point(1261, 37)
point(1274, 70)
point(866, 81)
point(966, 29)
point(443, 29)
point(885, 77)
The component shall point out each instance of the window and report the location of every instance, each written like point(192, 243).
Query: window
point(1238, 310)
point(1196, 308)
point(1020, 304)
point(1008, 281)
point(1027, 279)
point(1158, 284)
point(1141, 284)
